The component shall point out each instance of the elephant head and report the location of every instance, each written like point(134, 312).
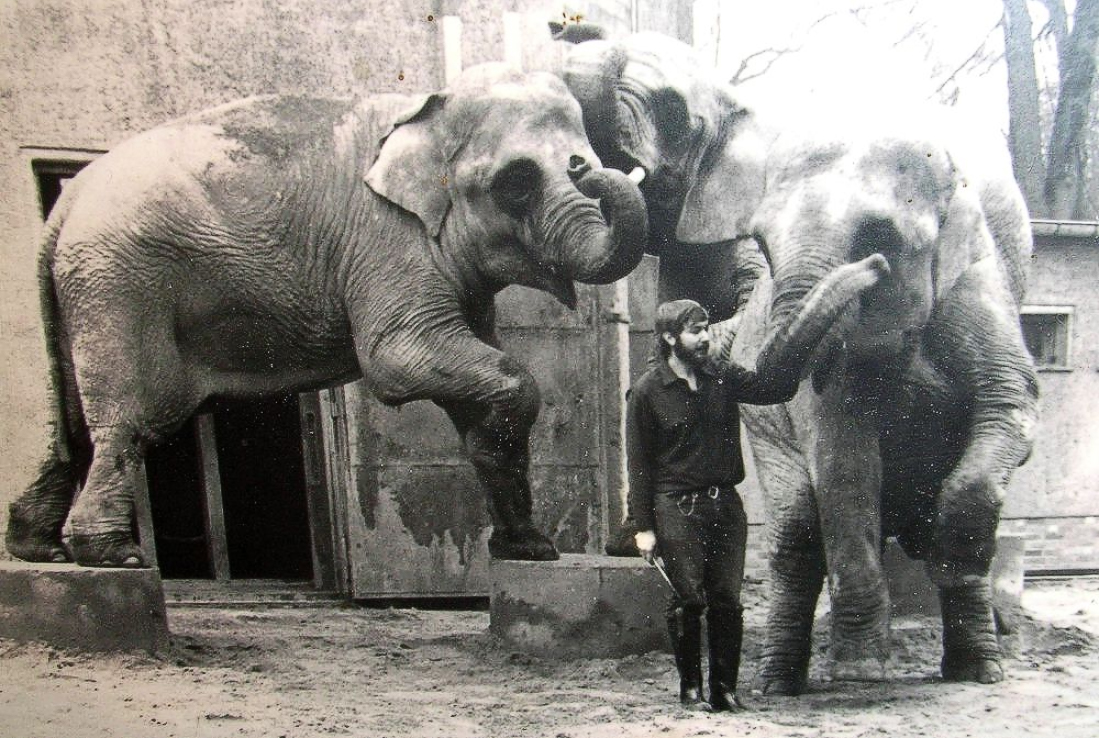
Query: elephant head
point(499, 170)
point(717, 171)
point(649, 102)
point(827, 202)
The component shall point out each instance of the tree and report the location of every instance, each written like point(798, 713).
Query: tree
point(1055, 186)
point(1024, 134)
point(1051, 79)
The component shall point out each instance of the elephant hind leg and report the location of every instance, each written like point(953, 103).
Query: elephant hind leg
point(36, 518)
point(130, 401)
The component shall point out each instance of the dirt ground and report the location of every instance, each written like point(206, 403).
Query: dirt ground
point(416, 673)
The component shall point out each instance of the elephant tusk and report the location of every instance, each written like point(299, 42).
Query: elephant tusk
point(636, 176)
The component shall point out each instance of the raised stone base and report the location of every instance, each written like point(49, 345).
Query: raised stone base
point(83, 608)
point(579, 607)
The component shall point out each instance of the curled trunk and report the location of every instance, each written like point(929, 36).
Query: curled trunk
point(609, 246)
point(801, 317)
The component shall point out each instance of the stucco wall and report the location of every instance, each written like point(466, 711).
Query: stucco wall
point(1053, 500)
point(1062, 476)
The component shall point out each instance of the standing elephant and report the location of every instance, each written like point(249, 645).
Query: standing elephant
point(921, 401)
point(238, 252)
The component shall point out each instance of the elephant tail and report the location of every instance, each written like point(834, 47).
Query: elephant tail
point(71, 441)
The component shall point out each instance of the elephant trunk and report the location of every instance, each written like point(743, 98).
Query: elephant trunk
point(801, 316)
point(607, 246)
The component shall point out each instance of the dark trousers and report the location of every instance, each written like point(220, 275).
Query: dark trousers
point(701, 536)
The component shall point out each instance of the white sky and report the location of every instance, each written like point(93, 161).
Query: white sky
point(846, 62)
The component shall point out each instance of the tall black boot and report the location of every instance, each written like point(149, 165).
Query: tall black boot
point(725, 628)
point(685, 629)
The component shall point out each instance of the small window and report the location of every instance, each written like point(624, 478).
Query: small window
point(51, 177)
point(1046, 330)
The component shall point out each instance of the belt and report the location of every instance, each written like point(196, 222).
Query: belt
point(713, 491)
point(685, 500)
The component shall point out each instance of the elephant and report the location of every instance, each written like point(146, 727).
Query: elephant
point(920, 403)
point(282, 243)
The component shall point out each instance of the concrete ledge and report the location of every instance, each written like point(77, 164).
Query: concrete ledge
point(83, 608)
point(582, 606)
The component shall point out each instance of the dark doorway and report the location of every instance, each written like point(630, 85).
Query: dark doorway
point(173, 469)
point(263, 487)
point(264, 515)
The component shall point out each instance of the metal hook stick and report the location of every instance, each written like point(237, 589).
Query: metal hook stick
point(658, 564)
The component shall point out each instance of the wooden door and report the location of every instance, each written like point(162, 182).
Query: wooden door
point(417, 523)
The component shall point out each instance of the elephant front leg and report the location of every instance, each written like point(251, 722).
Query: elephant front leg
point(493, 402)
point(496, 439)
point(846, 464)
point(797, 574)
point(978, 330)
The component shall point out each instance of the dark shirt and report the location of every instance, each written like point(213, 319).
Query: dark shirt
point(680, 440)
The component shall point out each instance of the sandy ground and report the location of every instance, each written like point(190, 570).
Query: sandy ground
point(408, 673)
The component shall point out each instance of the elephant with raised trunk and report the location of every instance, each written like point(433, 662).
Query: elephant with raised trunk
point(921, 401)
point(238, 252)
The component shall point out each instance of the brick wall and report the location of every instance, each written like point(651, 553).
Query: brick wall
point(1050, 544)
point(1057, 544)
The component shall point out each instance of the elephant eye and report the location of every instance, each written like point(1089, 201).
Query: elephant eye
point(514, 186)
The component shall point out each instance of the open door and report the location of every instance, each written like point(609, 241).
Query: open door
point(238, 493)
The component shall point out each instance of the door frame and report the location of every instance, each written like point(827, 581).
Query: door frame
point(319, 436)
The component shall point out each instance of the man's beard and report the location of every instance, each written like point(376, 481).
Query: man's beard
point(696, 357)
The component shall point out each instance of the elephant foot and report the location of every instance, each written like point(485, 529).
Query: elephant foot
point(784, 682)
point(108, 550)
point(861, 670)
point(28, 542)
point(723, 700)
point(522, 544)
point(972, 669)
point(783, 687)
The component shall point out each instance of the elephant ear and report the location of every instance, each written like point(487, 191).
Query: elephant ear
point(724, 195)
point(412, 167)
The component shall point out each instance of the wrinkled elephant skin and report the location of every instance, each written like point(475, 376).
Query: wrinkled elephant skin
point(279, 244)
point(920, 402)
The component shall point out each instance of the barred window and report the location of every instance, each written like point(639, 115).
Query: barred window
point(1047, 330)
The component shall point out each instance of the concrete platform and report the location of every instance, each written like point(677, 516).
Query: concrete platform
point(83, 608)
point(582, 606)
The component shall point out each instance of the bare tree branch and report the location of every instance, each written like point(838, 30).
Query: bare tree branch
point(979, 55)
point(742, 75)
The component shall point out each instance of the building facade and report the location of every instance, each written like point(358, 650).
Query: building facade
point(331, 487)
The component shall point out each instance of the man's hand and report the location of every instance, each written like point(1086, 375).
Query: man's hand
point(646, 544)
